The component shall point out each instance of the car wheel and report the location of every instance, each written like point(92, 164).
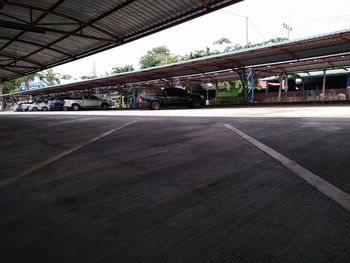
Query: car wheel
point(76, 107)
point(35, 109)
point(44, 108)
point(195, 104)
point(104, 106)
point(155, 105)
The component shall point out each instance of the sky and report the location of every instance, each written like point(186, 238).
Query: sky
point(266, 19)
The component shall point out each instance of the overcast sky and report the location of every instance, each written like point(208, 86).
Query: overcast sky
point(266, 18)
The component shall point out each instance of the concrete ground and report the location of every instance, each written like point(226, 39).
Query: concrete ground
point(174, 186)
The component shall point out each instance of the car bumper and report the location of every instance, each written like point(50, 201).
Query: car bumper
point(144, 104)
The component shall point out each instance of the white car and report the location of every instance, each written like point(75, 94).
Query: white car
point(22, 106)
point(86, 102)
point(36, 106)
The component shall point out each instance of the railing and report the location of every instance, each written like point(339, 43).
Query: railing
point(303, 96)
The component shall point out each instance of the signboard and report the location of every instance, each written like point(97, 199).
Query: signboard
point(36, 84)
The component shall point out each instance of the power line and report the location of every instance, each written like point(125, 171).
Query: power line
point(246, 23)
point(257, 30)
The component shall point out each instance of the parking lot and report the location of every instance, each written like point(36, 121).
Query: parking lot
point(175, 185)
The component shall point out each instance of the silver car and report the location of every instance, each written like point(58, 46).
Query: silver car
point(38, 106)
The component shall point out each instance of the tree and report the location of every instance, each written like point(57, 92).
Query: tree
point(26, 80)
point(11, 86)
point(51, 77)
point(121, 69)
point(88, 77)
point(222, 41)
point(200, 53)
point(66, 77)
point(158, 56)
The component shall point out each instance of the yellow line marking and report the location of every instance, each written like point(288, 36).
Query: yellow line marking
point(334, 193)
point(41, 164)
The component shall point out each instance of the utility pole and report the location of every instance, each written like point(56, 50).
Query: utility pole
point(246, 30)
point(288, 27)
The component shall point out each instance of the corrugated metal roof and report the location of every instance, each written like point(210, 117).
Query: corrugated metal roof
point(323, 52)
point(53, 32)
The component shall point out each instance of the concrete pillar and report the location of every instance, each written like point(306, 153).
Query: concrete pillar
point(324, 85)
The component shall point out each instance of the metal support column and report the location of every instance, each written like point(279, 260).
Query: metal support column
point(242, 76)
point(280, 79)
point(324, 85)
point(348, 87)
point(2, 104)
point(251, 81)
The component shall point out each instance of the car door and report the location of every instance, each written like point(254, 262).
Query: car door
point(176, 96)
point(95, 102)
point(90, 101)
point(182, 97)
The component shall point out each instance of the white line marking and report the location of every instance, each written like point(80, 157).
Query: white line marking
point(334, 193)
point(41, 164)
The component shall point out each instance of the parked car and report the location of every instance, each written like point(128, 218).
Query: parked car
point(88, 101)
point(38, 106)
point(22, 106)
point(56, 103)
point(172, 97)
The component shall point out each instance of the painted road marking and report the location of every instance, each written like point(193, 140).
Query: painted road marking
point(41, 164)
point(334, 193)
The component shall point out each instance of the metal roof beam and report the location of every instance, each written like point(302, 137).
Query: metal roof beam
point(22, 32)
point(13, 17)
point(21, 26)
point(15, 58)
point(32, 22)
point(37, 44)
point(52, 12)
point(43, 30)
point(76, 30)
point(11, 70)
point(203, 4)
point(11, 66)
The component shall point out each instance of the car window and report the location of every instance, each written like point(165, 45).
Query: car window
point(93, 97)
point(86, 97)
point(182, 93)
point(176, 92)
point(170, 92)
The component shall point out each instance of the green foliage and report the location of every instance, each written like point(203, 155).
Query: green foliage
point(235, 47)
point(88, 77)
point(295, 76)
point(126, 68)
point(222, 41)
point(11, 86)
point(50, 77)
point(200, 53)
point(26, 80)
point(158, 56)
point(66, 76)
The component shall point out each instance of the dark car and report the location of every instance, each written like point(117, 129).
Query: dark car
point(172, 97)
point(56, 103)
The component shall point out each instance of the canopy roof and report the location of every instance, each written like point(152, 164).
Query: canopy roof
point(315, 53)
point(36, 35)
